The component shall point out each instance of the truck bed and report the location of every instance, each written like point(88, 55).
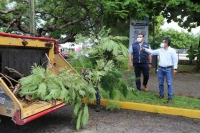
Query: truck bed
point(35, 107)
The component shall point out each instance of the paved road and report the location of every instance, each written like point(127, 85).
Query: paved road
point(122, 121)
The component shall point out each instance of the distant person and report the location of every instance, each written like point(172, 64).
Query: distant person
point(141, 60)
point(167, 59)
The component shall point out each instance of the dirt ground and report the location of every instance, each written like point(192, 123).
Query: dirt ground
point(183, 84)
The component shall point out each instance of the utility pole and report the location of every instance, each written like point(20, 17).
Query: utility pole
point(32, 17)
point(154, 57)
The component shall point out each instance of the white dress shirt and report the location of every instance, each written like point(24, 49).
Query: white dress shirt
point(167, 57)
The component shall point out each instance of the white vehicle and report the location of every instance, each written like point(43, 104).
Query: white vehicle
point(72, 46)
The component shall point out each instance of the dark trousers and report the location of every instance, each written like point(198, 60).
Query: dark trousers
point(144, 68)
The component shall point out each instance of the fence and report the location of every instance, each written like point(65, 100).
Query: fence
point(182, 53)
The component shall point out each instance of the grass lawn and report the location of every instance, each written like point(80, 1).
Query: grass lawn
point(150, 97)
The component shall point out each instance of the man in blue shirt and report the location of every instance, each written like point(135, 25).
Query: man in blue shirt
point(141, 60)
point(167, 59)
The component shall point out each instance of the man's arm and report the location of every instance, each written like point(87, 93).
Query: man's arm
point(175, 61)
point(154, 52)
point(130, 57)
point(130, 60)
point(150, 58)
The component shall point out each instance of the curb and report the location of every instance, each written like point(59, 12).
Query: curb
point(152, 108)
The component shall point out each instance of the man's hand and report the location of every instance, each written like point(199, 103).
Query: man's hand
point(175, 71)
point(150, 66)
point(130, 64)
point(142, 48)
point(130, 60)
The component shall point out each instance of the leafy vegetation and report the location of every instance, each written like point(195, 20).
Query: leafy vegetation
point(105, 50)
point(56, 18)
point(71, 88)
point(195, 53)
point(179, 40)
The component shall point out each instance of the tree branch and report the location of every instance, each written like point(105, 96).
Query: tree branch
point(22, 27)
point(7, 11)
point(70, 36)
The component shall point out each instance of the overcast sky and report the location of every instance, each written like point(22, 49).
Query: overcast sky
point(176, 27)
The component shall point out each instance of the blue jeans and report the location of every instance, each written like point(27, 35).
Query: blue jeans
point(165, 72)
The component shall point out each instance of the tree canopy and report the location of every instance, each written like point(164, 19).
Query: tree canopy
point(54, 18)
point(179, 40)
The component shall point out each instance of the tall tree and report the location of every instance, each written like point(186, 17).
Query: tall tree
point(53, 18)
point(60, 17)
point(179, 40)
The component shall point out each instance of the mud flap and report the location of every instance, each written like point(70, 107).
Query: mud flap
point(17, 116)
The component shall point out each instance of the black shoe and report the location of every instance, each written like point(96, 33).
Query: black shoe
point(97, 108)
point(169, 100)
point(160, 97)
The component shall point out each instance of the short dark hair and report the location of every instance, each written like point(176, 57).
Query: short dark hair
point(167, 40)
point(140, 34)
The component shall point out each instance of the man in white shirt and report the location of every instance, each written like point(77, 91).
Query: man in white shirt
point(167, 59)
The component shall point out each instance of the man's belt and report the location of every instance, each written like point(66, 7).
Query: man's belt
point(165, 67)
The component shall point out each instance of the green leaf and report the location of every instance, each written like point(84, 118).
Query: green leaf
point(25, 80)
point(64, 95)
point(42, 89)
point(27, 89)
point(82, 93)
point(37, 70)
point(54, 94)
point(36, 79)
point(123, 88)
point(77, 108)
point(48, 97)
point(85, 116)
point(109, 65)
point(78, 123)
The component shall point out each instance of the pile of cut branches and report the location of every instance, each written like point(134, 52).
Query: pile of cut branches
point(44, 85)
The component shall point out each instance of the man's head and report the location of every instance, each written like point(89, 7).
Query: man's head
point(140, 38)
point(165, 43)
